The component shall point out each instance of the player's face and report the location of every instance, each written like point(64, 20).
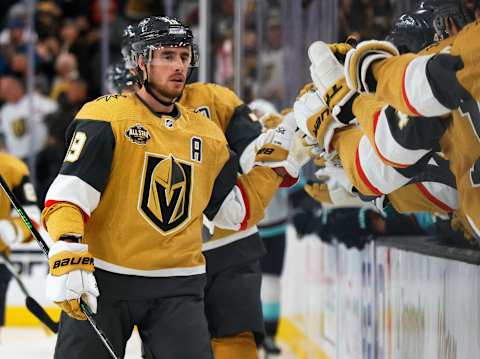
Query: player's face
point(168, 70)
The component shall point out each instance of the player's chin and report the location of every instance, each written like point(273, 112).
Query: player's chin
point(176, 88)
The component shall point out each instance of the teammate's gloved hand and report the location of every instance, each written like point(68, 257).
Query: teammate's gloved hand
point(71, 278)
point(441, 72)
point(340, 50)
point(328, 76)
point(318, 191)
point(10, 233)
point(314, 119)
point(270, 120)
point(275, 153)
point(358, 73)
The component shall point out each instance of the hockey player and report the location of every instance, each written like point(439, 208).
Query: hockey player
point(22, 118)
point(415, 84)
point(232, 257)
point(144, 170)
point(12, 230)
point(119, 79)
point(232, 294)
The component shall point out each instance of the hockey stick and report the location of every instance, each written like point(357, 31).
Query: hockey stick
point(43, 246)
point(32, 305)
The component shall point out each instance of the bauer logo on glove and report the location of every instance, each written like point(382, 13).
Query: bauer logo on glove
point(73, 261)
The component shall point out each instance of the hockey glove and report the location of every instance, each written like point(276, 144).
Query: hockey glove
point(328, 76)
point(71, 278)
point(358, 73)
point(318, 191)
point(340, 189)
point(10, 233)
point(314, 119)
point(340, 50)
point(270, 120)
point(275, 153)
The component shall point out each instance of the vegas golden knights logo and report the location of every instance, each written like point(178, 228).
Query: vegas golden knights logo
point(165, 196)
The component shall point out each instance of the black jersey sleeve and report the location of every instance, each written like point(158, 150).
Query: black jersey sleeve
point(90, 152)
point(225, 181)
point(86, 167)
point(242, 130)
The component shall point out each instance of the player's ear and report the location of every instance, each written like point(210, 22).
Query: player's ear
point(141, 62)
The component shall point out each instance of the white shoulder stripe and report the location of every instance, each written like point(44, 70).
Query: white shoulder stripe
point(385, 178)
point(390, 149)
point(417, 89)
point(443, 193)
point(72, 189)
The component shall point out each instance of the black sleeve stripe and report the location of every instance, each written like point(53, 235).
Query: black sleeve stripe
point(95, 159)
point(419, 133)
point(438, 172)
point(226, 180)
point(242, 130)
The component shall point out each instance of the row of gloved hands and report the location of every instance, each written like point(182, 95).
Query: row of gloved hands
point(342, 71)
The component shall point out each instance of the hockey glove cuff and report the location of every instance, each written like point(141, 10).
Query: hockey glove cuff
point(359, 60)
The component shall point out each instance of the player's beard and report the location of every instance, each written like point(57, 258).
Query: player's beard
point(166, 93)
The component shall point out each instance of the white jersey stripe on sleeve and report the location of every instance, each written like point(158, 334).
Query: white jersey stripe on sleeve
point(417, 92)
point(389, 149)
point(385, 178)
point(83, 195)
point(442, 195)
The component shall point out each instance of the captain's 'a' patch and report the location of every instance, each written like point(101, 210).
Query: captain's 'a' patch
point(165, 197)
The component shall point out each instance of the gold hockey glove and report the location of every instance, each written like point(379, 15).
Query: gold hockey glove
point(71, 278)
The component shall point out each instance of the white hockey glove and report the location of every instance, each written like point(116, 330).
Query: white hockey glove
point(314, 119)
point(232, 212)
point(71, 278)
point(10, 233)
point(299, 152)
point(328, 76)
point(275, 153)
point(359, 60)
point(339, 186)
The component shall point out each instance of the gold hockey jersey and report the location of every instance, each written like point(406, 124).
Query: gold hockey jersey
point(236, 120)
point(16, 175)
point(430, 190)
point(142, 181)
point(461, 142)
